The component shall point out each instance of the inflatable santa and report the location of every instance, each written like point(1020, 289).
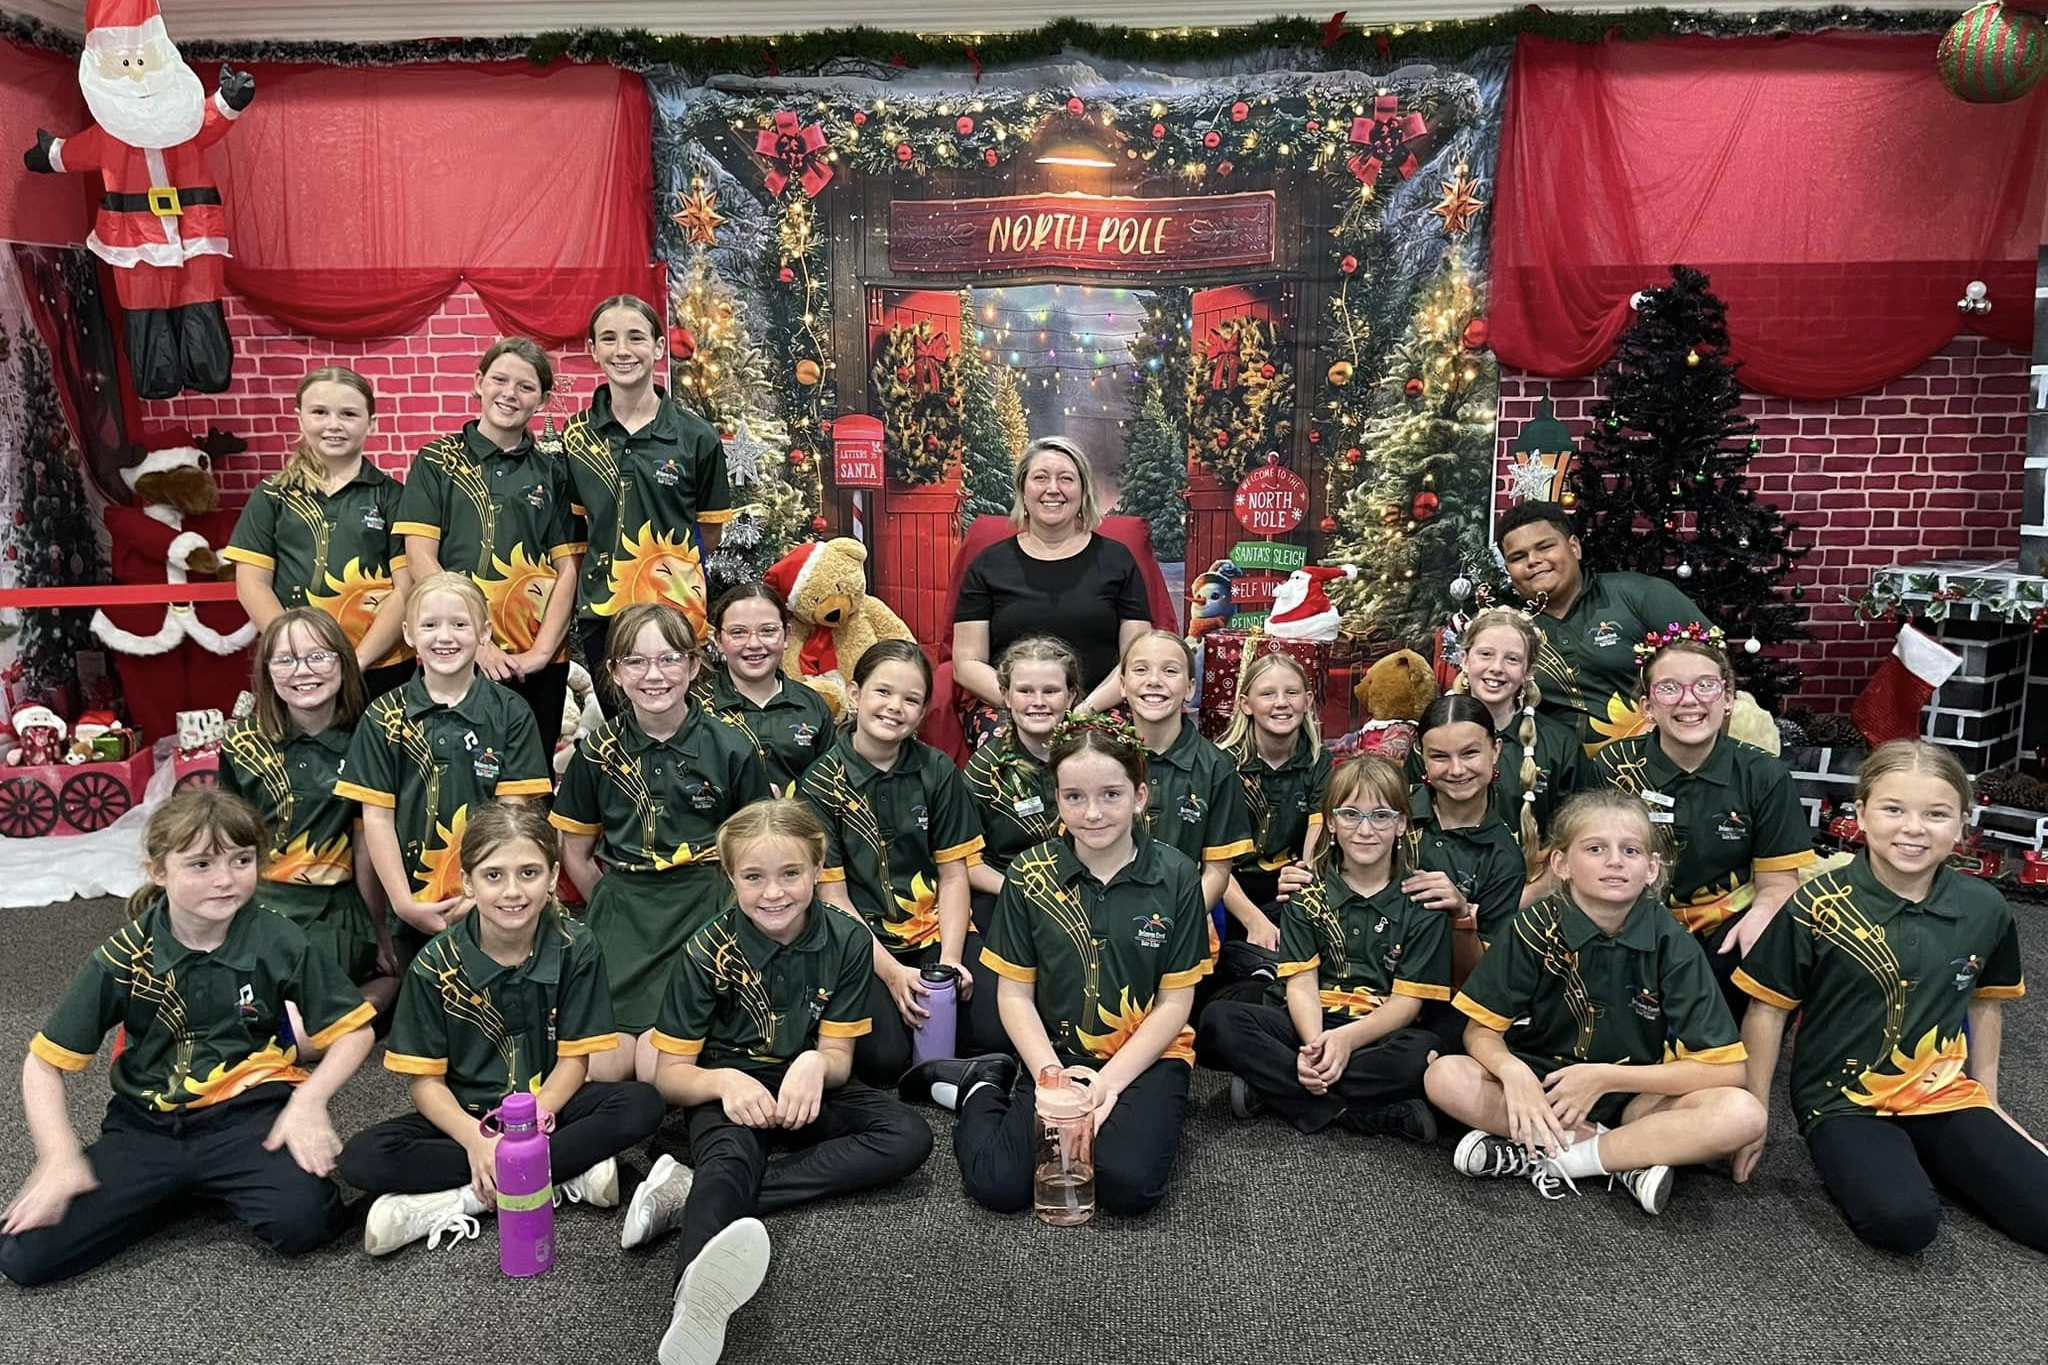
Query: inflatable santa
point(161, 224)
point(1302, 609)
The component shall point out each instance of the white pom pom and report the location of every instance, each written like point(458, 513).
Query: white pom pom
point(1635, 300)
point(1752, 645)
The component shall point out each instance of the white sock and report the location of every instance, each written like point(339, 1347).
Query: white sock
point(1582, 1158)
point(945, 1094)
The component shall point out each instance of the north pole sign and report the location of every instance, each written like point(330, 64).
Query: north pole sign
point(1082, 232)
point(1271, 501)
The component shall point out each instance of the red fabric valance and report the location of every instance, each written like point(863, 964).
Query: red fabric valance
point(358, 198)
point(39, 89)
point(1839, 196)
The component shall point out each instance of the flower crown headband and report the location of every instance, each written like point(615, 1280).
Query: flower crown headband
point(1695, 631)
point(1103, 723)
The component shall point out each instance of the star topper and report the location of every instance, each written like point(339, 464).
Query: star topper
point(698, 215)
point(1460, 204)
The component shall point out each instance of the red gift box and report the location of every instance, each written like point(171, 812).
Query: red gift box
point(1223, 657)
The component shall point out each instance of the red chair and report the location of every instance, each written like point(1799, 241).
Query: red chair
point(942, 728)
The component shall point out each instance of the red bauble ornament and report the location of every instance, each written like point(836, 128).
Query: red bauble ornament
point(1424, 507)
point(903, 374)
point(1074, 105)
point(1158, 131)
point(1994, 53)
point(1240, 111)
point(796, 459)
point(859, 119)
point(1353, 455)
point(786, 275)
point(682, 344)
point(1476, 334)
point(1413, 388)
point(1328, 524)
point(989, 156)
point(1312, 126)
point(819, 525)
point(1267, 371)
point(903, 152)
point(1212, 139)
point(1315, 438)
point(1222, 438)
point(1224, 168)
point(963, 125)
point(1348, 266)
point(931, 443)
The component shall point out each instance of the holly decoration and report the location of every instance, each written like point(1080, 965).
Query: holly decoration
point(1241, 400)
point(915, 375)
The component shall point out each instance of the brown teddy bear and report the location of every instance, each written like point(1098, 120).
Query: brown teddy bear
point(824, 585)
point(1396, 691)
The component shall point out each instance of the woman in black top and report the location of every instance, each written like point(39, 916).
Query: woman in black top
point(1055, 577)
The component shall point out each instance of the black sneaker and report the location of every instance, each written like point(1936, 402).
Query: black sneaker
point(963, 1073)
point(1410, 1119)
point(1244, 1101)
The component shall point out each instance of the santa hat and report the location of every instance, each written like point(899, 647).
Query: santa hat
point(37, 716)
point(163, 462)
point(123, 23)
point(787, 575)
point(1890, 704)
point(1314, 601)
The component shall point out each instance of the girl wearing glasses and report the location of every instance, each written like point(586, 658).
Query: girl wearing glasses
point(1736, 834)
point(639, 810)
point(788, 723)
point(283, 760)
point(1336, 1039)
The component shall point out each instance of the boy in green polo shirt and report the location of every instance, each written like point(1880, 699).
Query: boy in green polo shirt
point(208, 1103)
point(757, 1036)
point(1570, 1069)
point(511, 998)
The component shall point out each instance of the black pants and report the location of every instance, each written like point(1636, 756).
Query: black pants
point(410, 1155)
point(388, 678)
point(150, 1165)
point(883, 1053)
point(544, 692)
point(170, 349)
point(1134, 1151)
point(1883, 1174)
point(861, 1138)
point(1259, 1043)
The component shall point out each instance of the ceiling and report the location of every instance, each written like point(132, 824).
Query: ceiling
point(370, 20)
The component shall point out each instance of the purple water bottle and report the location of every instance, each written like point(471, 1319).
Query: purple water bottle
point(939, 1035)
point(526, 1191)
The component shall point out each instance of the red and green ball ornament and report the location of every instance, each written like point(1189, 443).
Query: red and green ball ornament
point(1993, 54)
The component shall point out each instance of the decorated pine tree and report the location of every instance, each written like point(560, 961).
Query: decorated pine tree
point(989, 461)
point(1154, 475)
point(1662, 483)
point(1010, 414)
point(54, 539)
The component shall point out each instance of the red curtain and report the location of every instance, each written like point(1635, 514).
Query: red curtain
point(358, 198)
point(1839, 196)
point(39, 89)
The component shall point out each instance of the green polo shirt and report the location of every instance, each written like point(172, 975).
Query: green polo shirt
point(428, 764)
point(788, 733)
point(1013, 791)
point(1565, 993)
point(1883, 985)
point(488, 1030)
point(1586, 667)
point(1284, 803)
point(739, 999)
point(888, 832)
point(1560, 770)
point(1483, 861)
point(1197, 803)
point(653, 804)
point(1735, 817)
point(643, 496)
point(502, 517)
point(291, 785)
point(201, 1027)
point(1097, 956)
point(1362, 949)
point(333, 551)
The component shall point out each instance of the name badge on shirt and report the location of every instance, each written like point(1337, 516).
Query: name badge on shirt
point(1660, 799)
point(1030, 805)
point(1662, 817)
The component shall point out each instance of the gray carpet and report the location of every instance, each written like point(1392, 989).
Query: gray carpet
point(1333, 1249)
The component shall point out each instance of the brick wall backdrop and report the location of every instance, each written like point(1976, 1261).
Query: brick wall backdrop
point(1927, 467)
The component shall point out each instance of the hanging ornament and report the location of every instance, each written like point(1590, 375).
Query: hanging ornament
point(1684, 569)
point(1341, 372)
point(1074, 105)
point(963, 125)
point(1267, 371)
point(1477, 333)
point(1425, 505)
point(698, 217)
point(682, 343)
point(808, 372)
point(988, 157)
point(786, 275)
point(1224, 168)
point(1327, 524)
point(1461, 588)
point(1614, 423)
point(819, 525)
point(1158, 131)
point(1568, 500)
point(1212, 139)
point(743, 454)
point(1460, 203)
point(1743, 542)
point(1752, 645)
point(904, 152)
point(1692, 359)
point(1798, 593)
point(1992, 54)
point(1413, 388)
point(1240, 111)
point(1348, 266)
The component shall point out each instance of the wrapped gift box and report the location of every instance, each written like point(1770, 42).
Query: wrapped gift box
point(70, 798)
point(1223, 655)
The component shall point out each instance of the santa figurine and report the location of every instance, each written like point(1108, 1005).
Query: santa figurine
point(39, 733)
point(161, 224)
point(182, 656)
point(1302, 610)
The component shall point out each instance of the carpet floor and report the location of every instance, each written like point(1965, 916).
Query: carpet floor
point(1333, 1248)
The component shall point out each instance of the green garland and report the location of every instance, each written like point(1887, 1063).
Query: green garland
point(814, 52)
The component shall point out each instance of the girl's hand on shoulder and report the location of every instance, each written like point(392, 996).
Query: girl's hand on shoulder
point(495, 663)
point(1432, 891)
point(48, 1192)
point(1295, 877)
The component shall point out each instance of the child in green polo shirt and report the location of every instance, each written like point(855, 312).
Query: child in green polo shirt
point(208, 1103)
point(1730, 818)
point(1098, 939)
point(422, 756)
point(639, 812)
point(1040, 680)
point(788, 723)
point(649, 480)
point(1462, 857)
point(322, 531)
point(1598, 1043)
point(900, 831)
point(1900, 968)
point(283, 760)
point(511, 998)
point(757, 1036)
point(486, 502)
point(1336, 1039)
point(1282, 768)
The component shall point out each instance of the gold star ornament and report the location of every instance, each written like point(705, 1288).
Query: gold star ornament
point(699, 217)
point(1460, 205)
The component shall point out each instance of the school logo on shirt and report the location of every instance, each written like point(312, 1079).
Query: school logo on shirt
point(1301, 800)
point(1733, 827)
point(819, 1000)
point(373, 520)
point(1604, 634)
point(668, 474)
point(246, 1000)
point(922, 815)
point(537, 496)
point(1191, 809)
point(1380, 925)
point(703, 796)
point(486, 765)
point(804, 733)
point(1645, 1003)
point(1966, 969)
point(551, 1027)
point(1152, 929)
point(1391, 958)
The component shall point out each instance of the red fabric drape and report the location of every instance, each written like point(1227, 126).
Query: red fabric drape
point(39, 89)
point(1839, 196)
point(358, 198)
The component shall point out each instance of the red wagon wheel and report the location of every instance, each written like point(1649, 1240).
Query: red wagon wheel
point(94, 801)
point(198, 777)
point(28, 809)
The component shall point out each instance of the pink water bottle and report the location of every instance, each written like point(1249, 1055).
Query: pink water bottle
point(526, 1191)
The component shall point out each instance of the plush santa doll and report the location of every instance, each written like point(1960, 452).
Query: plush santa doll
point(1302, 609)
point(161, 224)
point(184, 656)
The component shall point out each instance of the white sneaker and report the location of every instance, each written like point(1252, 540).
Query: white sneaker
point(727, 1272)
point(1650, 1186)
point(398, 1220)
point(597, 1187)
point(657, 1205)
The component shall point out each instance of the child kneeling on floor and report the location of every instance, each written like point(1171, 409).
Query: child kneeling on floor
point(512, 997)
point(1571, 1014)
point(208, 1103)
point(757, 1034)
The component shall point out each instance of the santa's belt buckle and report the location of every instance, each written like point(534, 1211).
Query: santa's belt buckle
point(163, 202)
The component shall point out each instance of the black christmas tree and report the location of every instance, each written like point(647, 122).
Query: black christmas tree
point(54, 541)
point(1662, 484)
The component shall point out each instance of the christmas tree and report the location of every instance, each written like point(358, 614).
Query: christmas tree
point(990, 460)
point(917, 383)
point(1154, 475)
point(1010, 415)
point(54, 541)
point(1662, 483)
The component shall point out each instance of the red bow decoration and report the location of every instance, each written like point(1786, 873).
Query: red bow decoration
point(1383, 136)
point(1225, 362)
point(793, 146)
point(932, 352)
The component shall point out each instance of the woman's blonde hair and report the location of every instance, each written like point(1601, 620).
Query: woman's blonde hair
point(1041, 649)
point(1090, 513)
point(305, 469)
point(1526, 699)
point(272, 717)
point(1581, 809)
point(782, 817)
point(448, 583)
point(213, 820)
point(1239, 741)
point(1367, 775)
point(1912, 756)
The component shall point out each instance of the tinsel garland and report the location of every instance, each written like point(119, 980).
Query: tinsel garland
point(1323, 43)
